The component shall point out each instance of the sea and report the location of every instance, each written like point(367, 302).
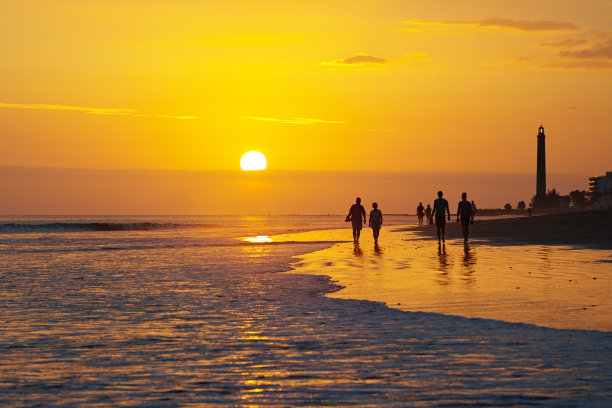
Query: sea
point(166, 311)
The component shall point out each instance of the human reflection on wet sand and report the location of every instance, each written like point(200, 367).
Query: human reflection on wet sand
point(357, 250)
point(469, 263)
point(444, 278)
point(469, 257)
point(443, 258)
point(377, 250)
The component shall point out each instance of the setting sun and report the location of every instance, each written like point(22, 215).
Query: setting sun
point(253, 161)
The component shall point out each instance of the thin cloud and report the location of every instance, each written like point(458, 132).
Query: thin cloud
point(501, 23)
point(89, 110)
point(588, 51)
point(293, 121)
point(584, 64)
point(372, 130)
point(357, 60)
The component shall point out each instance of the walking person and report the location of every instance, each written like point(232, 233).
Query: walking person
point(376, 220)
point(464, 214)
point(428, 215)
point(439, 208)
point(473, 213)
point(356, 212)
point(420, 213)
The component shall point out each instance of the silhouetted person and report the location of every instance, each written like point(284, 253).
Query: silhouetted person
point(440, 206)
point(428, 215)
point(355, 213)
point(473, 213)
point(420, 213)
point(376, 220)
point(464, 214)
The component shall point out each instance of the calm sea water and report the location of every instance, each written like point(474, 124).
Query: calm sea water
point(179, 311)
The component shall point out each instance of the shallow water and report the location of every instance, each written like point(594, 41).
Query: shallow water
point(199, 316)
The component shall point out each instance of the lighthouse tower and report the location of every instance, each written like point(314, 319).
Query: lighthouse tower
point(541, 175)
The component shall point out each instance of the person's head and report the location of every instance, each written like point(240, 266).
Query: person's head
point(463, 196)
point(440, 194)
point(472, 202)
point(420, 203)
point(428, 205)
point(358, 200)
point(375, 205)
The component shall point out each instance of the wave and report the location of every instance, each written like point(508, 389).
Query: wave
point(95, 226)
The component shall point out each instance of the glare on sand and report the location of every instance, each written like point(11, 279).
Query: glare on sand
point(552, 286)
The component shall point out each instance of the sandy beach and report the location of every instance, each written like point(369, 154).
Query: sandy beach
point(550, 270)
point(589, 229)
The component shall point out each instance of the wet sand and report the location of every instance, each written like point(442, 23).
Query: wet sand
point(515, 280)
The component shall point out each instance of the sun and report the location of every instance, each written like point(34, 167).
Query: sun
point(253, 161)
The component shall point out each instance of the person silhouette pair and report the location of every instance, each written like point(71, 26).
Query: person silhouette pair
point(355, 215)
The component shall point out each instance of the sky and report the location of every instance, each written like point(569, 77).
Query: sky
point(336, 88)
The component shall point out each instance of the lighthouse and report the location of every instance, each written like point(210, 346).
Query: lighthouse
point(541, 175)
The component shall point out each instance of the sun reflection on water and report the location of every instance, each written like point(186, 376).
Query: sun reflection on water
point(259, 239)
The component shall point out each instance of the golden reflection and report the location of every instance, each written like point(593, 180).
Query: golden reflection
point(469, 257)
point(443, 258)
point(357, 250)
point(259, 239)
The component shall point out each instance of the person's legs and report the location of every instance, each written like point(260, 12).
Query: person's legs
point(354, 234)
point(440, 228)
point(375, 232)
point(465, 227)
point(358, 233)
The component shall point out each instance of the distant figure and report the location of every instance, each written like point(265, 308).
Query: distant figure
point(420, 213)
point(464, 214)
point(355, 213)
point(428, 215)
point(473, 213)
point(440, 206)
point(376, 220)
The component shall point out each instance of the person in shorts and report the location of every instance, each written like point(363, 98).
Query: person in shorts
point(420, 213)
point(376, 220)
point(440, 206)
point(356, 212)
point(464, 214)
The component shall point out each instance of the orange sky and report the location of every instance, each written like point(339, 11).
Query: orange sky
point(390, 86)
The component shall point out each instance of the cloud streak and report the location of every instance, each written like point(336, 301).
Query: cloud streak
point(294, 121)
point(357, 60)
point(590, 51)
point(501, 23)
point(90, 110)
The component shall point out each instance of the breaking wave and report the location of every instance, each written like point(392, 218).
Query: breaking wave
point(95, 226)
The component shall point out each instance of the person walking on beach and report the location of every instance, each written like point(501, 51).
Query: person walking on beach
point(420, 213)
point(428, 215)
point(473, 213)
point(439, 208)
point(355, 213)
point(464, 214)
point(376, 220)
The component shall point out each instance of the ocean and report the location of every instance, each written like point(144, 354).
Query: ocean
point(195, 311)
